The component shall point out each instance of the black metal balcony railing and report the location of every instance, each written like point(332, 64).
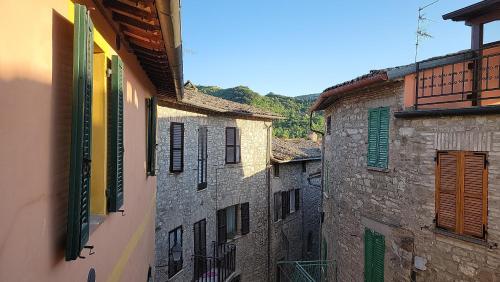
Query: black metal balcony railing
point(460, 80)
point(218, 267)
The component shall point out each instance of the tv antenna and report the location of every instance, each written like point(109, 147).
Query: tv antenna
point(421, 32)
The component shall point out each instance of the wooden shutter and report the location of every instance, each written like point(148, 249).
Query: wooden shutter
point(176, 147)
point(383, 138)
point(221, 226)
point(245, 218)
point(474, 194)
point(373, 130)
point(151, 136)
point(230, 145)
point(202, 157)
point(237, 152)
point(200, 238)
point(285, 204)
point(447, 189)
point(374, 256)
point(297, 199)
point(81, 134)
point(115, 131)
point(277, 206)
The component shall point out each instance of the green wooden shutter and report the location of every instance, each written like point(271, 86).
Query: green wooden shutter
point(374, 256)
point(373, 130)
point(115, 131)
point(383, 138)
point(151, 136)
point(81, 135)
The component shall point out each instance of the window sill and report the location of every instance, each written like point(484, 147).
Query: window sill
point(379, 169)
point(477, 241)
point(175, 275)
point(235, 238)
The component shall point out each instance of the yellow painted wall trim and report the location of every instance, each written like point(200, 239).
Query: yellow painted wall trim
point(131, 245)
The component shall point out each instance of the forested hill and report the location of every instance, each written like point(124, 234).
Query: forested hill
point(296, 124)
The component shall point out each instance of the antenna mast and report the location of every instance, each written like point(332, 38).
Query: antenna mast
point(421, 33)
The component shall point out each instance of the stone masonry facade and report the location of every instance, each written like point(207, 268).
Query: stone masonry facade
point(399, 202)
point(180, 203)
point(289, 236)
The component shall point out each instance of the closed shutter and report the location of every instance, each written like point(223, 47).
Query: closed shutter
point(245, 218)
point(373, 129)
point(374, 256)
point(176, 147)
point(151, 135)
point(81, 135)
point(474, 194)
point(285, 204)
point(221, 226)
point(447, 185)
point(383, 138)
point(115, 129)
point(297, 199)
point(230, 145)
point(202, 157)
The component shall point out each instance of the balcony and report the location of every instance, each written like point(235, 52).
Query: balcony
point(218, 267)
point(305, 271)
point(465, 80)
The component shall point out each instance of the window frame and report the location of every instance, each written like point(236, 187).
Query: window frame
point(175, 267)
point(236, 146)
point(172, 149)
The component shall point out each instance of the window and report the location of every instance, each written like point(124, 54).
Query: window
point(285, 204)
point(461, 192)
point(328, 125)
point(297, 199)
point(277, 206)
point(151, 118)
point(232, 221)
point(233, 147)
point(202, 157)
point(174, 251)
point(200, 247)
point(176, 147)
point(378, 137)
point(292, 200)
point(374, 256)
point(304, 167)
point(276, 170)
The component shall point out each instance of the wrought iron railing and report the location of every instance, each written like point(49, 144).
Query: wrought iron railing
point(306, 271)
point(218, 267)
point(460, 80)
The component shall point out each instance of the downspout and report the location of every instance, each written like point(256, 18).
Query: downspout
point(268, 184)
point(322, 181)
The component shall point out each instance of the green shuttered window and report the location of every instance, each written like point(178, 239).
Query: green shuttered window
point(115, 131)
point(151, 118)
point(374, 256)
point(81, 135)
point(378, 137)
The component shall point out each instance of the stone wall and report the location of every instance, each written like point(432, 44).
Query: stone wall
point(180, 203)
point(295, 227)
point(399, 202)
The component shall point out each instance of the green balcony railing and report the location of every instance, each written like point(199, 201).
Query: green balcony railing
point(306, 271)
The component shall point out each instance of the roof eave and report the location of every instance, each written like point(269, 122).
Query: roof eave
point(470, 11)
point(295, 160)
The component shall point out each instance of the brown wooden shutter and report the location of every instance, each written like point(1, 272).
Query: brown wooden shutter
point(176, 147)
point(474, 194)
point(447, 187)
point(221, 226)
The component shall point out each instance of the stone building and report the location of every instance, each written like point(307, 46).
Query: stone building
point(295, 202)
point(213, 160)
point(412, 171)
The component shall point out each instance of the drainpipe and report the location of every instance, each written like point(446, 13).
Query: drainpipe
point(322, 180)
point(268, 184)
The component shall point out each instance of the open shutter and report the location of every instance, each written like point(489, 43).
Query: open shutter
point(373, 129)
point(176, 147)
point(297, 199)
point(221, 226)
point(378, 257)
point(81, 135)
point(383, 138)
point(115, 131)
point(447, 186)
point(474, 194)
point(237, 137)
point(368, 254)
point(202, 157)
point(245, 218)
point(151, 136)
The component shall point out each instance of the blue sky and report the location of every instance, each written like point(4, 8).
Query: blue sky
point(294, 47)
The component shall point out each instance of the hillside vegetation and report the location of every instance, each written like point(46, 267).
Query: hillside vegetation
point(296, 124)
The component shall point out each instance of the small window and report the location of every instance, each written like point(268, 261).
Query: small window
point(378, 137)
point(233, 147)
point(461, 192)
point(176, 147)
point(277, 206)
point(175, 251)
point(202, 157)
point(304, 167)
point(328, 125)
point(276, 170)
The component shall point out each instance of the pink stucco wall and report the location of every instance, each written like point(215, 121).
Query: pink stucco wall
point(35, 133)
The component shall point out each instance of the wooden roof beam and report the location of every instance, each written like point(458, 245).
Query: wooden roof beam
point(134, 22)
point(122, 7)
